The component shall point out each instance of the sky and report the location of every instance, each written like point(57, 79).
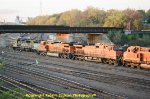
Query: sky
point(9, 9)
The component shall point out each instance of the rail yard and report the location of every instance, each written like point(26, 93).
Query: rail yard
point(63, 76)
point(67, 68)
point(74, 49)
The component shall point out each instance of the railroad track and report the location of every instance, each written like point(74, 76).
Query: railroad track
point(29, 87)
point(113, 79)
point(134, 83)
point(13, 84)
point(86, 73)
point(72, 84)
point(31, 55)
point(78, 85)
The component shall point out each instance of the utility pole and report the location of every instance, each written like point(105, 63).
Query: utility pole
point(40, 7)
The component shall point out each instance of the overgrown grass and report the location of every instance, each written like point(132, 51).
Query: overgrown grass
point(16, 93)
point(2, 63)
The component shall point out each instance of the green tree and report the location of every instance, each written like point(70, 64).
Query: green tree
point(146, 40)
point(138, 24)
point(93, 16)
point(117, 38)
point(148, 16)
point(115, 19)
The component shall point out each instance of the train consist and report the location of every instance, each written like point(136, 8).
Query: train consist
point(133, 56)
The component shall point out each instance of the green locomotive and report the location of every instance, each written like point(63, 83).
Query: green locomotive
point(25, 44)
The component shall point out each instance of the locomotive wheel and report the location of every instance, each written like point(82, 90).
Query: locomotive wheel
point(83, 58)
point(116, 63)
point(132, 65)
point(59, 55)
point(124, 64)
point(107, 61)
point(14, 48)
point(71, 56)
point(25, 49)
point(102, 60)
point(38, 52)
point(20, 49)
point(62, 55)
point(45, 53)
point(75, 57)
point(65, 56)
point(111, 62)
point(139, 67)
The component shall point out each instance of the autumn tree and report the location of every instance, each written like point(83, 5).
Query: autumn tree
point(134, 19)
point(93, 17)
point(115, 18)
point(69, 18)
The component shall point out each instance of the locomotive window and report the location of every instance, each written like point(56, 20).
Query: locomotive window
point(128, 50)
point(137, 56)
point(79, 47)
point(28, 41)
point(44, 43)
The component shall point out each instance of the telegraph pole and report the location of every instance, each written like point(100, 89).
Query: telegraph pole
point(40, 7)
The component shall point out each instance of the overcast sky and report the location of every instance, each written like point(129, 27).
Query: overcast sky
point(9, 9)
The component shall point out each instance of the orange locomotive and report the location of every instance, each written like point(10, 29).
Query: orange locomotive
point(62, 50)
point(100, 52)
point(136, 56)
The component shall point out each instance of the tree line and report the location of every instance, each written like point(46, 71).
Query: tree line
point(129, 19)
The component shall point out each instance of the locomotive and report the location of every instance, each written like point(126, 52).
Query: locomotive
point(133, 56)
point(136, 56)
point(25, 44)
